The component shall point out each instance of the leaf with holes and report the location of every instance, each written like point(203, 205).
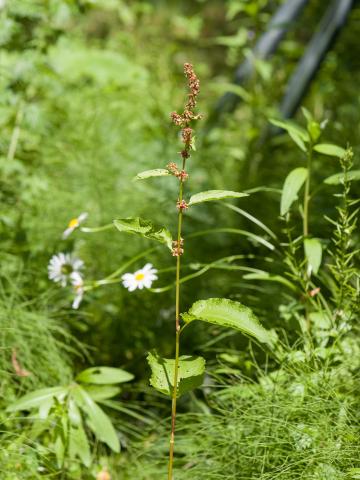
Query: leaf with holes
point(144, 228)
point(293, 182)
point(228, 313)
point(212, 195)
point(190, 374)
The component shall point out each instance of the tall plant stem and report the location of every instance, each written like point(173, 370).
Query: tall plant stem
point(307, 193)
point(306, 226)
point(177, 333)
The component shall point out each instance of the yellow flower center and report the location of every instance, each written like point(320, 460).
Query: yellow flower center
point(139, 276)
point(74, 222)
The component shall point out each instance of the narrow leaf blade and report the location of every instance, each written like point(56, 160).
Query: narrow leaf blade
point(104, 375)
point(228, 313)
point(338, 178)
point(99, 422)
point(292, 185)
point(212, 195)
point(313, 253)
point(36, 398)
point(329, 149)
point(157, 172)
point(144, 228)
point(291, 127)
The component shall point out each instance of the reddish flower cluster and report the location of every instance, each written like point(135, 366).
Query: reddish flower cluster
point(177, 250)
point(174, 170)
point(182, 205)
point(188, 115)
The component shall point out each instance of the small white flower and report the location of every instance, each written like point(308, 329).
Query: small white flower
point(78, 285)
point(74, 223)
point(61, 266)
point(140, 279)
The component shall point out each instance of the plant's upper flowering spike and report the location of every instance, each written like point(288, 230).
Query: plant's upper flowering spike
point(78, 285)
point(140, 279)
point(74, 223)
point(183, 120)
point(62, 265)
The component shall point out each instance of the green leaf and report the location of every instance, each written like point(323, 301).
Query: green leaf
point(211, 195)
point(104, 375)
point(144, 228)
point(329, 149)
point(297, 139)
point(292, 185)
point(98, 421)
point(313, 253)
point(37, 398)
point(291, 127)
point(339, 178)
point(227, 313)
point(78, 442)
point(190, 373)
point(79, 445)
point(157, 172)
point(101, 392)
point(269, 278)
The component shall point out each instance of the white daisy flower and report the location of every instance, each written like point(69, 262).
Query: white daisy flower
point(140, 279)
point(74, 223)
point(62, 265)
point(78, 285)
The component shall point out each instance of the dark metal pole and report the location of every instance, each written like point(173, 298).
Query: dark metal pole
point(332, 21)
point(265, 46)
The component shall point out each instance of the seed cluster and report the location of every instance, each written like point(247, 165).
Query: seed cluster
point(183, 120)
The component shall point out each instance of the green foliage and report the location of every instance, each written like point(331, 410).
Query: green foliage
point(211, 195)
point(293, 182)
point(227, 313)
point(62, 406)
point(144, 228)
point(190, 375)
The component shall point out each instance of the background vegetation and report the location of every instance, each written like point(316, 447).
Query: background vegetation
point(86, 88)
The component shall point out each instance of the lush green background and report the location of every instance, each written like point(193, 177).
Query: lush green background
point(86, 88)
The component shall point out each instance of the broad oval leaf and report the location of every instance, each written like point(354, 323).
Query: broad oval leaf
point(38, 397)
point(157, 172)
point(190, 374)
point(339, 178)
point(104, 375)
point(292, 185)
point(211, 195)
point(228, 313)
point(329, 149)
point(291, 127)
point(98, 421)
point(144, 228)
point(313, 253)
